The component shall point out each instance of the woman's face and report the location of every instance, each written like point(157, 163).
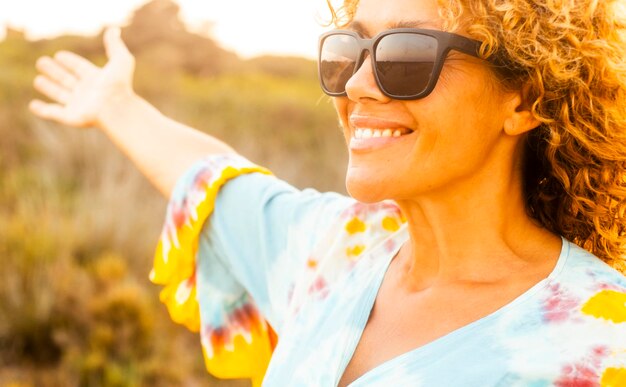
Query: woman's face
point(455, 131)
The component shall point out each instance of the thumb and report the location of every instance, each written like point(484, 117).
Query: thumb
point(114, 45)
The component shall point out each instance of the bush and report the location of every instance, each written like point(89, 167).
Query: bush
point(78, 223)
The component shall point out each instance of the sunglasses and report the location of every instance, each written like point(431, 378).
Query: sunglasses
point(406, 61)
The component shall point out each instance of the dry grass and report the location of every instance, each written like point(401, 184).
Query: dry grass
point(78, 223)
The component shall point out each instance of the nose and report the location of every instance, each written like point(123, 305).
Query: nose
point(362, 87)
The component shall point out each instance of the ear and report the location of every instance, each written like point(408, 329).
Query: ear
point(520, 118)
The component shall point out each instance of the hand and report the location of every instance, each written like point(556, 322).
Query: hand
point(80, 90)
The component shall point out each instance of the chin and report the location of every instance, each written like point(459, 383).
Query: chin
point(366, 190)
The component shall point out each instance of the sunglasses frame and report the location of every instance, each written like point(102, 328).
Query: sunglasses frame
point(446, 41)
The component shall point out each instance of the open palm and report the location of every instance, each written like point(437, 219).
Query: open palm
point(80, 90)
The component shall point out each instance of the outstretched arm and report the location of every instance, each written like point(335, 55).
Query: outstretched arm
point(85, 95)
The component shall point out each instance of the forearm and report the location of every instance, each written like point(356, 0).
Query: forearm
point(161, 148)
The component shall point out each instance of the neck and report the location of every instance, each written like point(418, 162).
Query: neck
point(474, 231)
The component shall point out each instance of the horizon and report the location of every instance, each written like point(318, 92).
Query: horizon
point(293, 36)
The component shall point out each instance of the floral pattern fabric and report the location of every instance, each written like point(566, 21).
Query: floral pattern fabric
point(280, 283)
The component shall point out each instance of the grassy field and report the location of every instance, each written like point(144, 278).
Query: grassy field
point(78, 224)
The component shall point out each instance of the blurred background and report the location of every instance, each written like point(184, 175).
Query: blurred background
point(78, 224)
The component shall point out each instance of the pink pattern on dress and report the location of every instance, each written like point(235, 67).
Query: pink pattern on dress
point(560, 305)
point(202, 178)
point(244, 320)
point(390, 245)
point(179, 216)
point(319, 286)
point(584, 373)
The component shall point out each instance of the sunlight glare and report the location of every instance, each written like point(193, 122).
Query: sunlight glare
point(251, 28)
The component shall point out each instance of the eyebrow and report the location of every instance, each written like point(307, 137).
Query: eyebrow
point(412, 24)
point(360, 28)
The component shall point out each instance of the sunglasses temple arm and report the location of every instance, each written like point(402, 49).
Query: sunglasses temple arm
point(466, 45)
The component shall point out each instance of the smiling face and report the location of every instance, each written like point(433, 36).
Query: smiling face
point(406, 149)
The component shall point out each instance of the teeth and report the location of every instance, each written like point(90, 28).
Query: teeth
point(375, 133)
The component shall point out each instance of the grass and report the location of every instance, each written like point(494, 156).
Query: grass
point(78, 224)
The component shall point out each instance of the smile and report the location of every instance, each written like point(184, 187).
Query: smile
point(375, 133)
point(368, 139)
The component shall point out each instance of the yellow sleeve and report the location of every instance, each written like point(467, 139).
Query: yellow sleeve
point(236, 350)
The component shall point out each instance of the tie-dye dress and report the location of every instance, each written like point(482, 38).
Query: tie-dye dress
point(280, 283)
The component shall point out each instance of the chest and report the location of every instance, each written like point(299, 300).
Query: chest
point(397, 326)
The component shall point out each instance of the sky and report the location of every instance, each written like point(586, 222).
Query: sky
point(249, 27)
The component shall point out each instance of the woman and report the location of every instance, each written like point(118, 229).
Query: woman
point(488, 139)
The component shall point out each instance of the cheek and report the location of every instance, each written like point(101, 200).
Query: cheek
point(451, 136)
point(342, 108)
point(458, 132)
point(463, 112)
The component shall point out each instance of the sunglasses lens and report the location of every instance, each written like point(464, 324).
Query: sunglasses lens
point(405, 63)
point(338, 58)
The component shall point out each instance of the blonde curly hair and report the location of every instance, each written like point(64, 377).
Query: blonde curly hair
point(569, 58)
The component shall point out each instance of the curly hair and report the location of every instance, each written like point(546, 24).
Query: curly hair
point(569, 59)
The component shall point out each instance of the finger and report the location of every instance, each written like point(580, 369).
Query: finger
point(49, 111)
point(56, 72)
point(51, 89)
point(114, 45)
point(76, 64)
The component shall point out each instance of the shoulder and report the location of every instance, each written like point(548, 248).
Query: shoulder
point(588, 300)
point(586, 288)
point(361, 227)
point(603, 292)
point(582, 294)
point(589, 274)
point(357, 231)
point(574, 330)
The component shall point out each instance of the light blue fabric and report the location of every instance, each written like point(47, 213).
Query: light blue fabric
point(258, 239)
point(293, 253)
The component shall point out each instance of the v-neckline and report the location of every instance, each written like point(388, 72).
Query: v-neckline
point(373, 288)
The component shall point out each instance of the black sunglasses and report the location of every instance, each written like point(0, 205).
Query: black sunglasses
point(406, 61)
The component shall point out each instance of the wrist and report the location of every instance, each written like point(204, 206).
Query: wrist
point(118, 107)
